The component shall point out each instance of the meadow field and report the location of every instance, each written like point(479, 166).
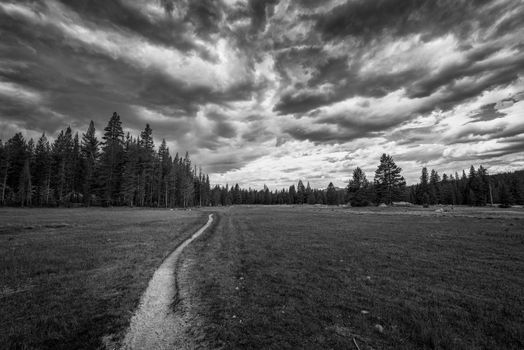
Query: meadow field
point(383, 278)
point(278, 277)
point(69, 277)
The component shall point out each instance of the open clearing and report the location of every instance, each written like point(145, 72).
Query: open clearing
point(71, 276)
point(317, 278)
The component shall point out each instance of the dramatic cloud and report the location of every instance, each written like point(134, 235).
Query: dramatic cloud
point(272, 91)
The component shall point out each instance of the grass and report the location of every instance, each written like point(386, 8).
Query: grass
point(316, 278)
point(71, 278)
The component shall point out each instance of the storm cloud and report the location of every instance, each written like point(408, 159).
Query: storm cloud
point(261, 92)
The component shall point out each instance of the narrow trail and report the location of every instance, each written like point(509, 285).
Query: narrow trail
point(155, 325)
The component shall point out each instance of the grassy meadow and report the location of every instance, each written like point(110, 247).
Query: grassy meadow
point(71, 278)
point(385, 278)
point(276, 277)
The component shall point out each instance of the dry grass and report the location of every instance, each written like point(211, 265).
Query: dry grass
point(71, 276)
point(283, 278)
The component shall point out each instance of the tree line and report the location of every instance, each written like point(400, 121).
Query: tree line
point(478, 188)
point(125, 170)
point(82, 170)
point(387, 187)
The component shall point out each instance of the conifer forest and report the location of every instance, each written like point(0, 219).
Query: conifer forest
point(126, 170)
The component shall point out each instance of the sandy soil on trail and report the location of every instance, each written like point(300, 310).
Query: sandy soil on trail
point(155, 325)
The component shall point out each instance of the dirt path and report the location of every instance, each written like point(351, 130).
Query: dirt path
point(155, 325)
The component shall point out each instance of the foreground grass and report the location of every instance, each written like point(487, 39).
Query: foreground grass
point(71, 276)
point(285, 278)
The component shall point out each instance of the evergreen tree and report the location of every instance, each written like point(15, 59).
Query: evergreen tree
point(207, 191)
point(146, 165)
point(165, 166)
point(89, 150)
point(434, 190)
point(267, 197)
point(516, 189)
point(186, 183)
point(61, 151)
point(42, 171)
point(237, 199)
point(129, 189)
point(292, 194)
point(301, 192)
point(331, 195)
point(447, 190)
point(4, 168)
point(111, 161)
point(482, 194)
point(389, 184)
point(309, 194)
point(505, 197)
point(76, 171)
point(17, 154)
point(25, 188)
point(358, 189)
point(423, 188)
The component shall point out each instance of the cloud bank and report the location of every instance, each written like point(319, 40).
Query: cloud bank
point(268, 91)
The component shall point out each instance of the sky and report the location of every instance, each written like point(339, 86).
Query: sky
point(273, 91)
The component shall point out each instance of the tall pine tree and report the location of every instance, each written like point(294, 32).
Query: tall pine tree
point(90, 154)
point(389, 184)
point(111, 161)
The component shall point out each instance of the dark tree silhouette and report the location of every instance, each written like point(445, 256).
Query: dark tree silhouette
point(111, 162)
point(358, 189)
point(331, 195)
point(90, 152)
point(389, 184)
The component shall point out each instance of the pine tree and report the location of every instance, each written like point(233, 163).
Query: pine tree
point(165, 165)
point(516, 188)
point(17, 153)
point(267, 197)
point(447, 190)
point(483, 186)
point(423, 188)
point(301, 192)
point(505, 197)
point(434, 190)
point(309, 194)
point(90, 154)
point(111, 161)
point(207, 190)
point(237, 199)
point(358, 189)
point(186, 183)
point(331, 195)
point(42, 171)
point(76, 171)
point(61, 151)
point(4, 168)
point(472, 187)
point(146, 165)
point(389, 184)
point(25, 188)
point(292, 194)
point(129, 189)
point(197, 187)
